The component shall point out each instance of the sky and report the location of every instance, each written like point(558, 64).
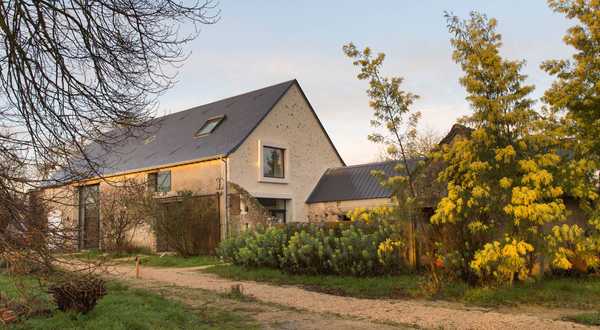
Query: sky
point(260, 43)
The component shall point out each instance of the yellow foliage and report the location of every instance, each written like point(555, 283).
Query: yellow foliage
point(477, 226)
point(479, 166)
point(505, 183)
point(569, 245)
point(528, 165)
point(501, 261)
point(506, 154)
point(387, 250)
point(369, 214)
point(549, 159)
point(479, 192)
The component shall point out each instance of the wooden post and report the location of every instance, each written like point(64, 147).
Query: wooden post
point(137, 267)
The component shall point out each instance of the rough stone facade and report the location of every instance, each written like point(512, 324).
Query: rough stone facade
point(199, 177)
point(335, 211)
point(293, 126)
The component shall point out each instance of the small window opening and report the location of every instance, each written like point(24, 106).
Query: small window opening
point(150, 139)
point(159, 181)
point(276, 208)
point(209, 126)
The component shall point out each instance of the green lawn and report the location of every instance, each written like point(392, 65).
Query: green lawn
point(592, 318)
point(126, 308)
point(581, 293)
point(153, 260)
point(363, 287)
point(101, 255)
point(178, 261)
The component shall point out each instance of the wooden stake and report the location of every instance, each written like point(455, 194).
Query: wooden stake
point(137, 267)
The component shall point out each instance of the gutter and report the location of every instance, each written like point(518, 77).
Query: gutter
point(226, 193)
point(135, 171)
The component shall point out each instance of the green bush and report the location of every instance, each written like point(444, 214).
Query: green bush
point(260, 248)
point(308, 253)
point(356, 248)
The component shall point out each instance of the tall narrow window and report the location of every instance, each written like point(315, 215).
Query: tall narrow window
point(209, 126)
point(151, 182)
point(273, 162)
point(89, 217)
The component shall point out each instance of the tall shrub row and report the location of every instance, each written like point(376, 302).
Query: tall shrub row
point(356, 248)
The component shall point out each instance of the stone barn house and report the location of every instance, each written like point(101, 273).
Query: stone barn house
point(268, 144)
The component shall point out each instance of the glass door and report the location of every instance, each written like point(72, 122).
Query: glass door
point(89, 217)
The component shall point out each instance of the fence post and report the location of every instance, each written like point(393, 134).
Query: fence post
point(137, 267)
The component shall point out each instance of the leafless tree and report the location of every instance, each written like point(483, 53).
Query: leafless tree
point(187, 224)
point(420, 147)
point(77, 78)
point(123, 211)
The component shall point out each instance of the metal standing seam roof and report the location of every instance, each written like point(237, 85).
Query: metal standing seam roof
point(353, 182)
point(170, 139)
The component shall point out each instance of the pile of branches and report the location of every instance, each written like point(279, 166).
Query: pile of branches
point(78, 293)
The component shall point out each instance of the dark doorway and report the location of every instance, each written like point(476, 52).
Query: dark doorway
point(276, 207)
point(89, 217)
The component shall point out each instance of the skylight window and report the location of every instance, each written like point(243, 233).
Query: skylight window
point(209, 126)
point(150, 139)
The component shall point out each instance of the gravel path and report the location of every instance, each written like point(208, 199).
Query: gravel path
point(416, 313)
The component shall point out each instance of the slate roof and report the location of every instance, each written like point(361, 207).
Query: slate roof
point(170, 139)
point(353, 183)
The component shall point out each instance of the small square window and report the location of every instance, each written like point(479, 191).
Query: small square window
point(273, 162)
point(209, 126)
point(159, 181)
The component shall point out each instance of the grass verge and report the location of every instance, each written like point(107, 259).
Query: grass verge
point(362, 287)
point(128, 308)
point(578, 293)
point(152, 260)
point(178, 261)
point(592, 319)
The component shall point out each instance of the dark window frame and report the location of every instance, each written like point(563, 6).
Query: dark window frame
point(217, 119)
point(283, 152)
point(272, 208)
point(86, 206)
point(153, 181)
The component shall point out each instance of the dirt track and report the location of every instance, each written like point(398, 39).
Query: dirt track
point(421, 314)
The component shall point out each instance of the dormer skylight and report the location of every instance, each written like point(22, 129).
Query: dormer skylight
point(149, 139)
point(209, 126)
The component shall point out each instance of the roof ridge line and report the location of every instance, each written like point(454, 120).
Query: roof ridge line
point(223, 99)
point(366, 164)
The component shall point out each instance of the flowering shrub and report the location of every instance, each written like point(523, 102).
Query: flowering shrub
point(500, 262)
point(388, 251)
point(263, 247)
point(358, 248)
point(571, 249)
point(371, 214)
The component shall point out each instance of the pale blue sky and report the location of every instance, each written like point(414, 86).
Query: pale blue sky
point(259, 43)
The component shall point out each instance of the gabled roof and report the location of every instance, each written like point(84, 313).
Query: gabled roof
point(170, 139)
point(354, 182)
point(455, 131)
